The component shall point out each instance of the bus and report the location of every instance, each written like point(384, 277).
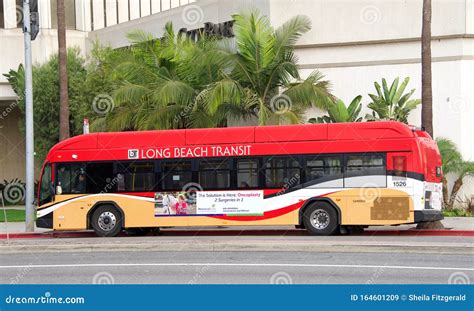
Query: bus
point(325, 178)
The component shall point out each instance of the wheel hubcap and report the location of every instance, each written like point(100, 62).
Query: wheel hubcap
point(320, 219)
point(107, 221)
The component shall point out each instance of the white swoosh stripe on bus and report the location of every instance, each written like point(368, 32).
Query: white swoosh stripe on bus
point(286, 198)
point(50, 209)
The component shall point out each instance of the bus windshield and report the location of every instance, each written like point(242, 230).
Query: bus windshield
point(45, 186)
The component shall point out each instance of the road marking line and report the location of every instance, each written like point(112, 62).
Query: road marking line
point(232, 265)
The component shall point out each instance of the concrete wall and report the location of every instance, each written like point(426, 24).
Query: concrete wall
point(12, 142)
point(191, 16)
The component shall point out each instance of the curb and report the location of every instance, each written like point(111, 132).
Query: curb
point(214, 245)
point(191, 233)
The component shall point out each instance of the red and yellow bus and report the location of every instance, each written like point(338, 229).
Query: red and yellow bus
point(322, 177)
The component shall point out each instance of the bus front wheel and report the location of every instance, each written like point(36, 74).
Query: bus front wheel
point(106, 221)
point(320, 219)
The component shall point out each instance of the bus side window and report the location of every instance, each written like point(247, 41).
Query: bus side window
point(282, 172)
point(247, 173)
point(71, 177)
point(135, 176)
point(100, 177)
point(324, 171)
point(365, 170)
point(176, 174)
point(214, 174)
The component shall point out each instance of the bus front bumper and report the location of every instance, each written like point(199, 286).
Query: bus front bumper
point(45, 221)
point(428, 215)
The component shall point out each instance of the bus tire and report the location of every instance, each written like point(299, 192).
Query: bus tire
point(107, 221)
point(320, 219)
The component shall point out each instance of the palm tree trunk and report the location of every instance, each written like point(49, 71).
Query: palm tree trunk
point(454, 192)
point(63, 79)
point(445, 194)
point(426, 90)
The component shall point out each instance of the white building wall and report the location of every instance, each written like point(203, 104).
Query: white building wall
point(83, 15)
point(134, 8)
point(145, 7)
point(11, 12)
point(155, 6)
point(98, 13)
point(111, 12)
point(123, 10)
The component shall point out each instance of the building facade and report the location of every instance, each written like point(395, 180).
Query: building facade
point(352, 42)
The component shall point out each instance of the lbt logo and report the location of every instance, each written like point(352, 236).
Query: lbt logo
point(133, 153)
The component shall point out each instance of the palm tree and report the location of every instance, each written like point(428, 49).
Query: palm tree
point(391, 103)
point(426, 87)
point(453, 163)
point(338, 112)
point(465, 169)
point(175, 82)
point(159, 82)
point(63, 79)
point(263, 64)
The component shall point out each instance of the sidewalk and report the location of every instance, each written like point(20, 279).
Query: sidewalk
point(18, 207)
point(17, 227)
point(450, 223)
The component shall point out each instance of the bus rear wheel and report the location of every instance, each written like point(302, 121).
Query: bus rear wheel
point(106, 221)
point(320, 219)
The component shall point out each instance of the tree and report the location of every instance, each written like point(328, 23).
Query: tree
point(175, 82)
point(338, 112)
point(158, 82)
point(263, 65)
point(426, 86)
point(391, 103)
point(82, 88)
point(64, 130)
point(453, 163)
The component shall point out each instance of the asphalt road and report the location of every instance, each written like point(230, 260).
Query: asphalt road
point(232, 267)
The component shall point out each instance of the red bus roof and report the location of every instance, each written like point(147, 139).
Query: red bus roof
point(239, 135)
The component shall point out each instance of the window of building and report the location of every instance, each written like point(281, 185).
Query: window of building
point(247, 173)
point(176, 174)
point(282, 172)
point(214, 173)
point(324, 169)
point(135, 176)
point(365, 170)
